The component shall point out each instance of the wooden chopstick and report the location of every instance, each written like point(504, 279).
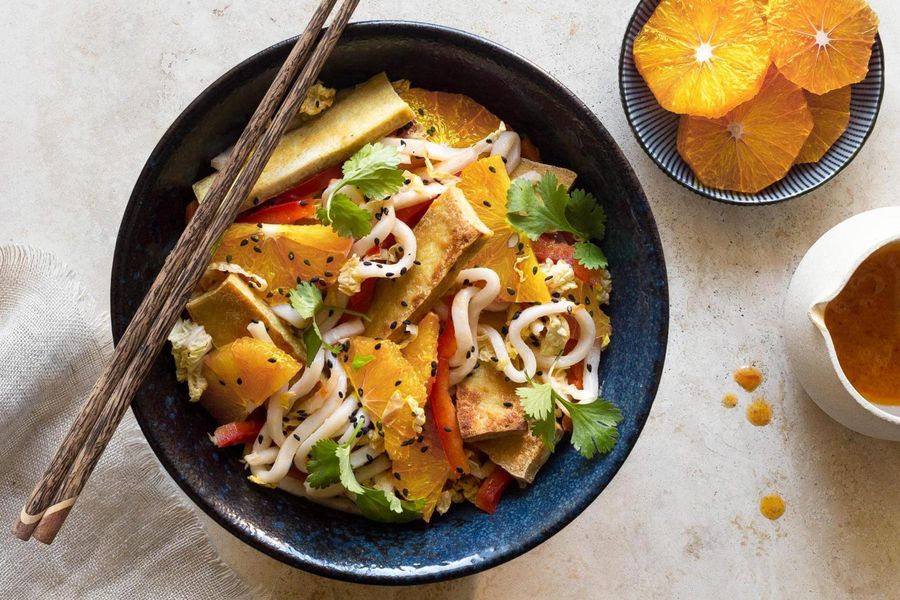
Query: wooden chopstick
point(62, 482)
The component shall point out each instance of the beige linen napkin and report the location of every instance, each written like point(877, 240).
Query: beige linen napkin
point(130, 535)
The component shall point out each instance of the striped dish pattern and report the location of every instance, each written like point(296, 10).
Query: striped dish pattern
point(656, 129)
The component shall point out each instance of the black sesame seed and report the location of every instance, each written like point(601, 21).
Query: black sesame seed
point(404, 303)
point(393, 324)
point(485, 202)
point(291, 255)
point(398, 382)
point(510, 291)
point(590, 368)
point(259, 225)
point(306, 262)
point(254, 238)
point(240, 381)
point(448, 429)
point(460, 470)
point(244, 242)
point(273, 360)
point(492, 169)
point(257, 249)
point(408, 442)
point(328, 274)
point(417, 263)
point(296, 437)
point(508, 404)
point(259, 439)
point(423, 449)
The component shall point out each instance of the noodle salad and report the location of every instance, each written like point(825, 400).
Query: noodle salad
point(407, 314)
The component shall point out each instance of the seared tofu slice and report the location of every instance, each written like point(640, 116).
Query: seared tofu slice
point(565, 176)
point(367, 113)
point(227, 309)
point(521, 454)
point(448, 235)
point(487, 405)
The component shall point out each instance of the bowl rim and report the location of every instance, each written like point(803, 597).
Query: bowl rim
point(704, 193)
point(442, 572)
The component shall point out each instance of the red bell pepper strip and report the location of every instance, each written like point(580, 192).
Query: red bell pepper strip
point(442, 409)
point(491, 490)
point(286, 213)
point(311, 188)
point(411, 215)
point(557, 246)
point(362, 300)
point(238, 432)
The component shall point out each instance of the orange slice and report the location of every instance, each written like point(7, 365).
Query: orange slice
point(763, 7)
point(282, 254)
point(452, 119)
point(703, 57)
point(421, 352)
point(242, 374)
point(485, 184)
point(754, 145)
point(385, 372)
point(417, 458)
point(831, 115)
point(822, 45)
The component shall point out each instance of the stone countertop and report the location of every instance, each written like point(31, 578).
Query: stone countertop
point(89, 87)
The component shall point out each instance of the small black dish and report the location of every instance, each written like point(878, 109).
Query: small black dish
point(465, 541)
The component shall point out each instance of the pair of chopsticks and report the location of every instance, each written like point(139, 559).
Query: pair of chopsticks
point(71, 466)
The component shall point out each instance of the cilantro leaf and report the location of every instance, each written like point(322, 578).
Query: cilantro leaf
point(381, 506)
point(537, 402)
point(584, 211)
point(361, 360)
point(593, 426)
point(306, 299)
point(535, 210)
point(346, 217)
point(590, 255)
point(536, 399)
point(533, 215)
point(373, 169)
point(329, 463)
point(324, 467)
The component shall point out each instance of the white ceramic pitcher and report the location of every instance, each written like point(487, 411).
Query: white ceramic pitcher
point(820, 277)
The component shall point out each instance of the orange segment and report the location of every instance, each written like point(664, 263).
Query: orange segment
point(485, 184)
point(420, 466)
point(242, 375)
point(763, 7)
point(754, 145)
point(283, 253)
point(590, 296)
point(452, 119)
point(831, 115)
point(387, 372)
point(822, 45)
point(703, 57)
point(421, 352)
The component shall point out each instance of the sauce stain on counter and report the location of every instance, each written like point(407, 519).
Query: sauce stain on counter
point(748, 377)
point(729, 400)
point(771, 506)
point(759, 412)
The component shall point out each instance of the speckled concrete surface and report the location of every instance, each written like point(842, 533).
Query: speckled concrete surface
point(89, 87)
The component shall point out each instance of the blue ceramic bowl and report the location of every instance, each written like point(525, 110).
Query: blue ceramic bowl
point(656, 129)
point(466, 540)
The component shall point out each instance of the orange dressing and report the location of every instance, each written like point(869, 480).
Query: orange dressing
point(759, 412)
point(729, 400)
point(771, 506)
point(864, 323)
point(748, 377)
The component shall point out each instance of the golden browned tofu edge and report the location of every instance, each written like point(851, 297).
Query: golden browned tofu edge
point(487, 406)
point(449, 228)
point(521, 455)
point(565, 177)
point(368, 112)
point(227, 309)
